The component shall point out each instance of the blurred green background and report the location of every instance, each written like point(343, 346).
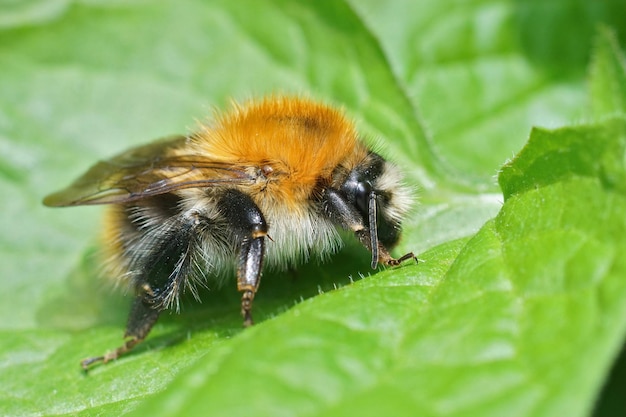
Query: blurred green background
point(449, 89)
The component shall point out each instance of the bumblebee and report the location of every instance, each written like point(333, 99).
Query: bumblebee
point(268, 183)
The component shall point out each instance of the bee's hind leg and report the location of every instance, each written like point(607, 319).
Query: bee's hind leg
point(140, 321)
point(164, 271)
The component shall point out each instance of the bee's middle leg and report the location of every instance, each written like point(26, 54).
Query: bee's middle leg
point(249, 228)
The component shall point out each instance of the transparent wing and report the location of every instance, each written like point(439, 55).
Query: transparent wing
point(146, 171)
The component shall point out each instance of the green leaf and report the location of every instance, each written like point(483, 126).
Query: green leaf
point(516, 307)
point(608, 76)
point(523, 318)
point(583, 151)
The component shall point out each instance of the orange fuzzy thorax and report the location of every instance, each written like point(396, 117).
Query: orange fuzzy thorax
point(301, 142)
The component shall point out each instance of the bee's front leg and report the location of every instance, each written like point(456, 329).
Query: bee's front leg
point(339, 209)
point(249, 228)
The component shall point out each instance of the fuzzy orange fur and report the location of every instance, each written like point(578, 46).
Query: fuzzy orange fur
point(297, 142)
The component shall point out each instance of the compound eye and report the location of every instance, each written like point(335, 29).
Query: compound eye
point(362, 195)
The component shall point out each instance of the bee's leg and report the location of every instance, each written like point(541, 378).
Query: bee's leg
point(140, 321)
point(164, 269)
point(339, 209)
point(249, 227)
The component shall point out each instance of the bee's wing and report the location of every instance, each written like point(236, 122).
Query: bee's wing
point(146, 171)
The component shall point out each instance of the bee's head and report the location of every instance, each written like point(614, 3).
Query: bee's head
point(376, 189)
